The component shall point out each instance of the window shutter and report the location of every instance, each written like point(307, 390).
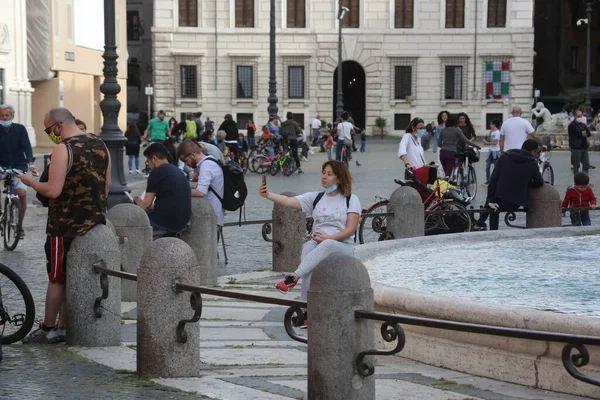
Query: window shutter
point(291, 13)
point(239, 13)
point(188, 12)
point(404, 14)
point(352, 18)
point(300, 10)
point(244, 13)
point(460, 13)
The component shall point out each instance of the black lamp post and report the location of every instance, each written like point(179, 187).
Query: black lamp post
point(339, 106)
point(272, 109)
point(588, 56)
point(110, 106)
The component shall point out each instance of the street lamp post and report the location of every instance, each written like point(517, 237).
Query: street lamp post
point(110, 132)
point(588, 56)
point(272, 109)
point(339, 106)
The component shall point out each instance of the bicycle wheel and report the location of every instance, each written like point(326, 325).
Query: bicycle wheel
point(374, 229)
point(548, 174)
point(12, 223)
point(274, 168)
point(453, 222)
point(17, 309)
point(260, 164)
point(289, 167)
point(472, 182)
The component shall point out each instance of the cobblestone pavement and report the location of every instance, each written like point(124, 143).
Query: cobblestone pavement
point(246, 250)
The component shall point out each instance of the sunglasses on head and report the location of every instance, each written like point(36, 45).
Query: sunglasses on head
point(416, 121)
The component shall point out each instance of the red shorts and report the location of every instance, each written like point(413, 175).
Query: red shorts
point(57, 248)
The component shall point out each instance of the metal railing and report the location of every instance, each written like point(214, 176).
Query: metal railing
point(574, 354)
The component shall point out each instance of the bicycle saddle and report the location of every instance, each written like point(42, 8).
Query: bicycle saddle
point(403, 182)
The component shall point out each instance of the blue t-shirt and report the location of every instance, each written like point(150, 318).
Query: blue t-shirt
point(15, 148)
point(274, 129)
point(173, 204)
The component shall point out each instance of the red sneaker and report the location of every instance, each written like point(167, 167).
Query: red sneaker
point(286, 285)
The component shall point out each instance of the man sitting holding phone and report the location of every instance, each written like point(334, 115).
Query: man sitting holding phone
point(173, 206)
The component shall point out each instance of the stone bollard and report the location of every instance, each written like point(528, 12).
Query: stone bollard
point(409, 214)
point(202, 238)
point(545, 208)
point(160, 309)
point(289, 234)
point(83, 287)
point(340, 285)
point(132, 226)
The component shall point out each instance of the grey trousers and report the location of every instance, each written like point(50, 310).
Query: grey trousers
point(580, 157)
point(313, 253)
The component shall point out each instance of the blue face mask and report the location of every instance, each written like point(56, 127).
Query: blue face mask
point(331, 188)
point(6, 124)
point(420, 132)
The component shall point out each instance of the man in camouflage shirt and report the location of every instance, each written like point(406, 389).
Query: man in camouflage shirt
point(77, 190)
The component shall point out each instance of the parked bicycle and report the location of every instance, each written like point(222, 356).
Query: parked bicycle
point(283, 161)
point(463, 174)
point(445, 205)
point(11, 219)
point(545, 167)
point(17, 309)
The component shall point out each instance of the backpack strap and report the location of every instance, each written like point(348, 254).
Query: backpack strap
point(317, 199)
point(210, 188)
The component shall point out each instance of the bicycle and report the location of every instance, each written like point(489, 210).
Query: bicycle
point(283, 161)
point(545, 167)
point(11, 219)
point(374, 228)
point(17, 309)
point(463, 174)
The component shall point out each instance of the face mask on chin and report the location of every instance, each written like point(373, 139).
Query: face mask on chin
point(6, 124)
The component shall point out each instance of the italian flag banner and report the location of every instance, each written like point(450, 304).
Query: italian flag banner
point(497, 79)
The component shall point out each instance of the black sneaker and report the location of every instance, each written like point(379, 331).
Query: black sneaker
point(300, 171)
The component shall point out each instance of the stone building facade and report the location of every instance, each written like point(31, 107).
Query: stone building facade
point(402, 58)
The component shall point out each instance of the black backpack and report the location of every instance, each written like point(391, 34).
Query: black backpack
point(235, 190)
point(320, 196)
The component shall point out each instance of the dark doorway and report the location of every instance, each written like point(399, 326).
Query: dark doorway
point(354, 88)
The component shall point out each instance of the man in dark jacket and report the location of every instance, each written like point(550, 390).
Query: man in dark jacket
point(578, 134)
point(230, 128)
point(289, 132)
point(515, 174)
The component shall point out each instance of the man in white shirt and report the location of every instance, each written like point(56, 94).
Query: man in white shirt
point(344, 132)
point(316, 127)
point(210, 175)
point(515, 131)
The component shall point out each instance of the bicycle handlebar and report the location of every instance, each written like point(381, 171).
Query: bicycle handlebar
point(11, 171)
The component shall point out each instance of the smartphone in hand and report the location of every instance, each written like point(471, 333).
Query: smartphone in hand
point(264, 179)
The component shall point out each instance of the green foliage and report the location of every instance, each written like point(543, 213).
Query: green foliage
point(380, 122)
point(574, 101)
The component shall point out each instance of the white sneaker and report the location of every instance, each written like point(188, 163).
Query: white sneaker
point(130, 171)
point(304, 159)
point(138, 171)
point(311, 152)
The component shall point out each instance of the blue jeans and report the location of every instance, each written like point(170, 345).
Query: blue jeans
point(329, 155)
point(251, 142)
point(579, 219)
point(137, 162)
point(493, 158)
point(338, 150)
point(363, 146)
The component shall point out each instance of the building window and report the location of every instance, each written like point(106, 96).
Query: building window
point(134, 28)
point(296, 13)
point(244, 82)
point(574, 58)
point(453, 82)
point(242, 119)
point(187, 77)
point(496, 17)
point(403, 14)
point(244, 13)
point(455, 13)
point(403, 83)
point(496, 78)
point(352, 18)
point(296, 82)
point(188, 12)
point(70, 21)
point(490, 117)
point(299, 118)
point(134, 75)
point(401, 121)
point(1, 86)
point(189, 81)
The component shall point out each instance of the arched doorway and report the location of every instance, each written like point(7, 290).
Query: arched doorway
point(354, 88)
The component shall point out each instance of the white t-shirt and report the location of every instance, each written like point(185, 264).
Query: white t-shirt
point(495, 135)
point(345, 129)
point(331, 213)
point(211, 174)
point(515, 131)
point(412, 149)
point(316, 124)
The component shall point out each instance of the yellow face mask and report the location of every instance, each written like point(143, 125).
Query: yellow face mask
point(55, 138)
